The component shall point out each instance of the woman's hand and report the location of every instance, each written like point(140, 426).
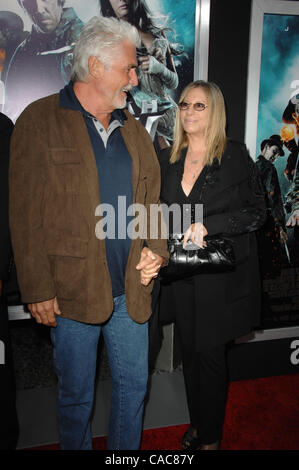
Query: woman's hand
point(144, 60)
point(196, 233)
point(149, 265)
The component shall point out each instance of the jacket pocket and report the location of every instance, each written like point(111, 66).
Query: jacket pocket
point(59, 244)
point(64, 156)
point(65, 172)
point(70, 277)
point(68, 260)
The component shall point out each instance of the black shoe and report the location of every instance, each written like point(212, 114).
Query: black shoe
point(189, 441)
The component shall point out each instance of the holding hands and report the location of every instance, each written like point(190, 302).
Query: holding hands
point(149, 265)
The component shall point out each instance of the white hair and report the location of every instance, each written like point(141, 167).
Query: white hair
point(100, 37)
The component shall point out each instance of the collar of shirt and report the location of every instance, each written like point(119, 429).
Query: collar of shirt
point(68, 99)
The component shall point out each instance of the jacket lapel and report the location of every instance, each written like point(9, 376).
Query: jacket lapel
point(211, 179)
point(171, 177)
point(85, 150)
point(129, 137)
point(74, 120)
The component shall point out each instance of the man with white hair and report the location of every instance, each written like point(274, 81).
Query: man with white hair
point(71, 152)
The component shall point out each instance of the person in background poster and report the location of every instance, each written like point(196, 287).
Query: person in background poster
point(293, 220)
point(273, 235)
point(293, 200)
point(12, 34)
point(156, 71)
point(41, 64)
point(292, 208)
point(291, 117)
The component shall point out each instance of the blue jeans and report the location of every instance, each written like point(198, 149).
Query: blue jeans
point(75, 358)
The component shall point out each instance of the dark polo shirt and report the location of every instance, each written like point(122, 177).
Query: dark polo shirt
point(114, 166)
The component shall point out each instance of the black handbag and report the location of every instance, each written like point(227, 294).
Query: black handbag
point(218, 256)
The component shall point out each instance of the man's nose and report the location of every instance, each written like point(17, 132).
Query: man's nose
point(133, 77)
point(41, 6)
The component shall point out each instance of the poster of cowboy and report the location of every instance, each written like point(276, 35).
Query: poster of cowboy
point(37, 39)
point(274, 105)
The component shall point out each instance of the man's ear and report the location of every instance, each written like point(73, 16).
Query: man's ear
point(95, 66)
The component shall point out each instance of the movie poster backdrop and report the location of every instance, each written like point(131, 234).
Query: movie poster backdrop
point(36, 44)
point(36, 53)
point(274, 96)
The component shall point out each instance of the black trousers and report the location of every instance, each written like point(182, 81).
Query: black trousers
point(205, 370)
point(205, 376)
point(9, 427)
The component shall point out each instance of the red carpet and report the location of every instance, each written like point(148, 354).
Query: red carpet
point(262, 414)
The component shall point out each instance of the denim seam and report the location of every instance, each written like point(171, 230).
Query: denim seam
point(121, 392)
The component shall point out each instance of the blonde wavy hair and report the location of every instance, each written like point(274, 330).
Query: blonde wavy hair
point(215, 131)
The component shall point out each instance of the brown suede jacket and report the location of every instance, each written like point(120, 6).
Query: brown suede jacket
point(54, 194)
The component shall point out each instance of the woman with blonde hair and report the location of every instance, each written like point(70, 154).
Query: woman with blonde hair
point(205, 167)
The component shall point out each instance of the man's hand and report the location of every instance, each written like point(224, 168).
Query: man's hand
point(45, 312)
point(149, 265)
point(294, 219)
